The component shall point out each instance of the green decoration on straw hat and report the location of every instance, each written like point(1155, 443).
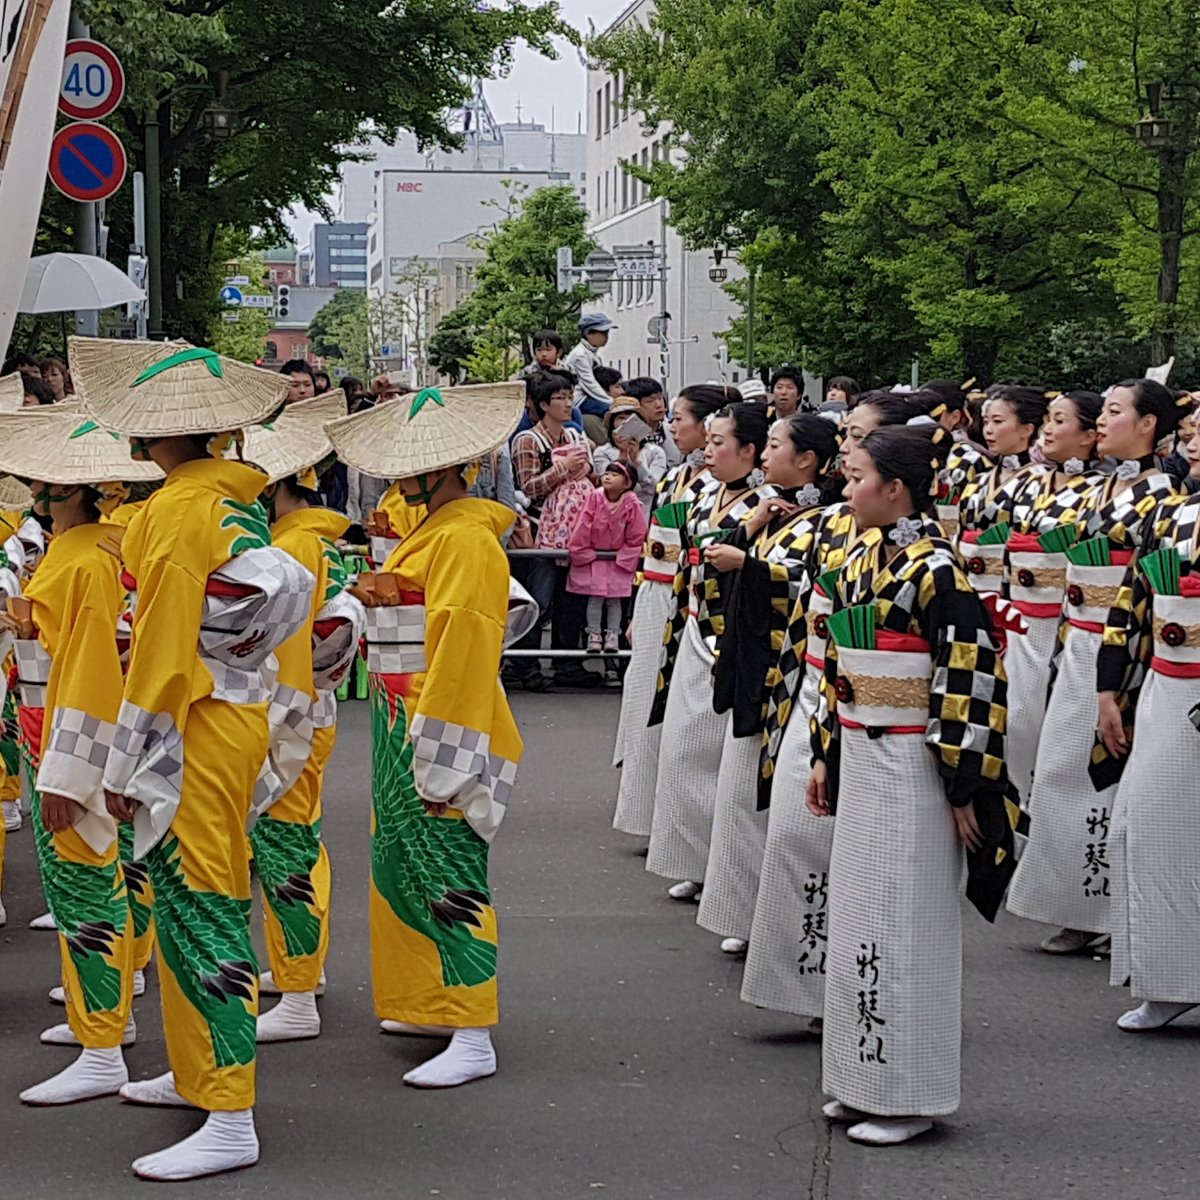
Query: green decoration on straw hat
point(423, 397)
point(90, 427)
point(210, 358)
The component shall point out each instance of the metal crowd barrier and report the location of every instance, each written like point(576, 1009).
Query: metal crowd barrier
point(356, 560)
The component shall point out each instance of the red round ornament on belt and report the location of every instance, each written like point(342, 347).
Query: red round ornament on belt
point(1173, 634)
point(842, 690)
point(657, 550)
point(976, 566)
point(1025, 577)
point(1075, 595)
point(821, 625)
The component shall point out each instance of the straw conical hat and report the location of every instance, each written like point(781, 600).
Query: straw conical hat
point(429, 429)
point(12, 392)
point(14, 494)
point(61, 444)
point(164, 389)
point(296, 438)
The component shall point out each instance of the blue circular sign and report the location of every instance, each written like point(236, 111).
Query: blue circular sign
point(87, 161)
point(231, 296)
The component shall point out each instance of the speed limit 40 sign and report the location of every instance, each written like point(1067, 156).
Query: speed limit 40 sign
point(93, 81)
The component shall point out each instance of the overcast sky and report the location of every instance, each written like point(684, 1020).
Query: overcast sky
point(543, 88)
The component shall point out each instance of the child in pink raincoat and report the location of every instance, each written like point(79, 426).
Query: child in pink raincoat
point(612, 519)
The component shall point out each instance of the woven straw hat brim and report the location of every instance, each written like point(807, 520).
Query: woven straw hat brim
point(14, 494)
point(186, 399)
point(62, 444)
point(404, 437)
point(12, 392)
point(296, 439)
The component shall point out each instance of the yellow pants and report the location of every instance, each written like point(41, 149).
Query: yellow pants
point(86, 895)
point(201, 876)
point(141, 899)
point(293, 865)
point(10, 789)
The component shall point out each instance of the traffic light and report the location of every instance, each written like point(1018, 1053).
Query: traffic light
point(283, 299)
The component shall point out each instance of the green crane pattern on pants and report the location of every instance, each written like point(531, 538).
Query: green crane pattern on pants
point(432, 871)
point(204, 939)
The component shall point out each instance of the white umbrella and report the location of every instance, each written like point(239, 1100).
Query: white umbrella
point(68, 282)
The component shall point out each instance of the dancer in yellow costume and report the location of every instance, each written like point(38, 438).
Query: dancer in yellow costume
point(213, 599)
point(74, 599)
point(290, 857)
point(446, 747)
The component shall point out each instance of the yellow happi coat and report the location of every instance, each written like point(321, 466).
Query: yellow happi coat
point(442, 735)
point(76, 596)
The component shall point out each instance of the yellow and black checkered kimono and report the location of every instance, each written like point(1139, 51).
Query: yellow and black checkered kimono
point(906, 724)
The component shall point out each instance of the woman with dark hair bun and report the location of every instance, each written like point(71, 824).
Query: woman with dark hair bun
point(766, 587)
point(1063, 878)
point(692, 732)
point(912, 667)
point(636, 750)
point(1012, 418)
point(1046, 498)
point(791, 908)
point(1152, 844)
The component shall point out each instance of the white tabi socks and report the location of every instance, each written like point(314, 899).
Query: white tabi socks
point(404, 1029)
point(888, 1131)
point(1151, 1014)
point(158, 1092)
point(294, 1018)
point(94, 1073)
point(469, 1056)
point(225, 1142)
point(61, 1035)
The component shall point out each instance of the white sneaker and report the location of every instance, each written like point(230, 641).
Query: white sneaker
point(45, 922)
point(61, 1035)
point(12, 815)
point(688, 889)
point(268, 987)
point(734, 946)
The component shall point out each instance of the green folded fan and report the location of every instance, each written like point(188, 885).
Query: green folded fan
point(1095, 552)
point(1060, 539)
point(854, 628)
point(1162, 568)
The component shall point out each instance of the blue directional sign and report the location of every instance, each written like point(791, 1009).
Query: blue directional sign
point(230, 296)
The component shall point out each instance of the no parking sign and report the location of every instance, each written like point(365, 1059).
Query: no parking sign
point(87, 161)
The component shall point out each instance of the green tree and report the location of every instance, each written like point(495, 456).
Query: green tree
point(244, 338)
point(517, 282)
point(294, 80)
point(341, 330)
point(453, 343)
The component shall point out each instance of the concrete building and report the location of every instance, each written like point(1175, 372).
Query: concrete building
point(622, 214)
point(339, 255)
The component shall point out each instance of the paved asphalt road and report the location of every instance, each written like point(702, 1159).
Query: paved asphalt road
point(629, 1068)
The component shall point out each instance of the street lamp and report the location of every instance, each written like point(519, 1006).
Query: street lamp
point(1154, 130)
point(217, 118)
point(718, 273)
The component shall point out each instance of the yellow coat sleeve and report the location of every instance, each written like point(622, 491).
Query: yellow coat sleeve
point(84, 691)
point(465, 742)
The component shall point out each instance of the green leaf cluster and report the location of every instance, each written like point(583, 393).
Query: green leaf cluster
point(961, 181)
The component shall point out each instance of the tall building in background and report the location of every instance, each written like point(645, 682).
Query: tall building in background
point(424, 217)
point(339, 255)
point(623, 214)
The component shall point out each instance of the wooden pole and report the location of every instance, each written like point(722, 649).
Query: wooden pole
point(14, 85)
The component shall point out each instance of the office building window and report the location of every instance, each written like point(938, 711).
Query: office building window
point(606, 191)
point(599, 111)
point(624, 191)
point(608, 106)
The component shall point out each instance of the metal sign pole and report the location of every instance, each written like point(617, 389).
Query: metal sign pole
point(87, 323)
